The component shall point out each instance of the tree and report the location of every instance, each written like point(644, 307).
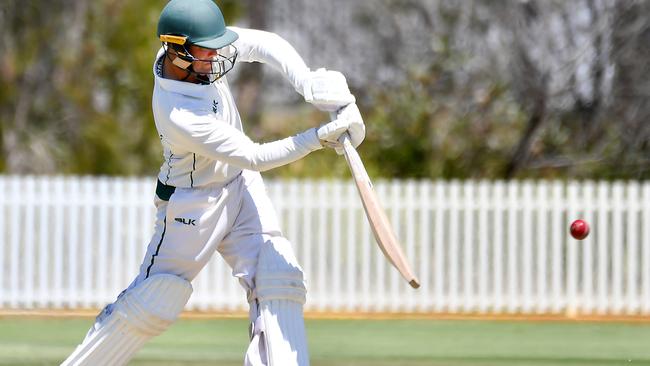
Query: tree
point(77, 83)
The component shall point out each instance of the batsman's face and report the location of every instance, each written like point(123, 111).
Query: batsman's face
point(205, 54)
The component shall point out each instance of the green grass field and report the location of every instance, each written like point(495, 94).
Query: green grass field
point(29, 341)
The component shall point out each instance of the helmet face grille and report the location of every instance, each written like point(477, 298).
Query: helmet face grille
point(220, 65)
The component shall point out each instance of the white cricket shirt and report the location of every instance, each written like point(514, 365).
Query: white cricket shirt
point(200, 128)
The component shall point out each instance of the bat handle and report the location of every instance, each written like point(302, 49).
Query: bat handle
point(344, 139)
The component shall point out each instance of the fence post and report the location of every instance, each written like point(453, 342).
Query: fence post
point(3, 240)
point(409, 217)
point(513, 243)
point(14, 241)
point(353, 244)
point(498, 242)
point(102, 264)
point(617, 249)
point(632, 206)
point(483, 253)
point(557, 229)
point(439, 254)
point(527, 247)
point(424, 238)
point(468, 205)
point(645, 245)
point(334, 239)
point(44, 239)
point(602, 239)
point(541, 201)
point(572, 251)
point(587, 298)
point(454, 283)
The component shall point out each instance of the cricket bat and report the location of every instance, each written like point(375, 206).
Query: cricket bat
point(381, 227)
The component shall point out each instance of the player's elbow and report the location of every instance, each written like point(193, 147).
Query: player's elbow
point(256, 162)
point(259, 166)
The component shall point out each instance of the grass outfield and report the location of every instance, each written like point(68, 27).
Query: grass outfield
point(29, 341)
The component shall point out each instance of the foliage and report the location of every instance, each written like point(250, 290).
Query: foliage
point(77, 84)
point(490, 91)
point(421, 131)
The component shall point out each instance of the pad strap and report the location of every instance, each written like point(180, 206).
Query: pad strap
point(278, 274)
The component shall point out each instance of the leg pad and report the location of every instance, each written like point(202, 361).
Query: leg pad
point(139, 314)
point(278, 330)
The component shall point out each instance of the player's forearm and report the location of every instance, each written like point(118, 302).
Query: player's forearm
point(269, 48)
point(201, 133)
point(233, 147)
point(281, 152)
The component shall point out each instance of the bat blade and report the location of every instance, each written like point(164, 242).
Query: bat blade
point(381, 227)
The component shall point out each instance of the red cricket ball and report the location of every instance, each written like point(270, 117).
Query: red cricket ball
point(579, 229)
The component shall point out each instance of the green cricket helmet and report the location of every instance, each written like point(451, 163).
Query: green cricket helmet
point(197, 22)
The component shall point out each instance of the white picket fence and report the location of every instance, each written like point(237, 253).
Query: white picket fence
point(477, 246)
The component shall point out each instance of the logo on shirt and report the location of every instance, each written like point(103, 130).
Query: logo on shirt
point(186, 221)
point(215, 106)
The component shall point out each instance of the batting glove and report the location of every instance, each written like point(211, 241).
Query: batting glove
point(347, 119)
point(356, 127)
point(329, 133)
point(327, 90)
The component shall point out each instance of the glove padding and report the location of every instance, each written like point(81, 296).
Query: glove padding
point(329, 133)
point(357, 128)
point(347, 119)
point(327, 90)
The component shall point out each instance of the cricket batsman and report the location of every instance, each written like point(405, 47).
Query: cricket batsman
point(210, 195)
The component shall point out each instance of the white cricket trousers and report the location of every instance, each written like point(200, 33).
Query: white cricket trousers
point(234, 219)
